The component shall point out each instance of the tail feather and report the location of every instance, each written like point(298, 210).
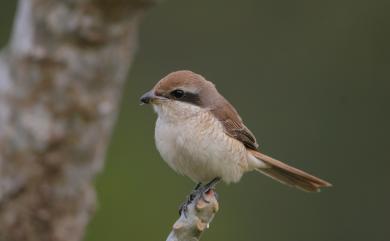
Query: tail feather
point(289, 175)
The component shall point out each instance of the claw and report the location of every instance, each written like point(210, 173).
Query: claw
point(183, 209)
point(184, 206)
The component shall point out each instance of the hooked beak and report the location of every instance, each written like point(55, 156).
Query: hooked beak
point(149, 97)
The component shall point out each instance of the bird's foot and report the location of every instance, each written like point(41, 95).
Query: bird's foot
point(184, 206)
point(208, 188)
point(198, 192)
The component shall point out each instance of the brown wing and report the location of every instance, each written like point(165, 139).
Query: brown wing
point(233, 125)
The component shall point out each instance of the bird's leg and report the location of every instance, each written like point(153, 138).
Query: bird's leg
point(209, 187)
point(212, 183)
point(190, 198)
point(199, 191)
point(198, 185)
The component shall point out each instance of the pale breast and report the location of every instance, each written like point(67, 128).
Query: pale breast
point(196, 146)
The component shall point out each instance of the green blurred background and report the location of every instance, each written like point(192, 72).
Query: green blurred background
point(310, 78)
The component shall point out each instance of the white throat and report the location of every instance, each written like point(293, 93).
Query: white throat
point(176, 111)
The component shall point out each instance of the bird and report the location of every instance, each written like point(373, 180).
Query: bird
point(199, 134)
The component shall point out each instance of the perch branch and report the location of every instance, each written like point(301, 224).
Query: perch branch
point(199, 215)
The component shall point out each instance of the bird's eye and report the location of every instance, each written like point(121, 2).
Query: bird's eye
point(177, 93)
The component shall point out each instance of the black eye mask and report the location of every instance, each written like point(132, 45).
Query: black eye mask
point(184, 96)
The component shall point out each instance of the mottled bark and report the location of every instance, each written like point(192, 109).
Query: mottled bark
point(61, 78)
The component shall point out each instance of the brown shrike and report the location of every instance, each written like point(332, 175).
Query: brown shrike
point(200, 135)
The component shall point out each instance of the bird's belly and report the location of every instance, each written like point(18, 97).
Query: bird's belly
point(200, 149)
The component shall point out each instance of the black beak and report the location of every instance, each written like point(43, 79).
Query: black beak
point(147, 97)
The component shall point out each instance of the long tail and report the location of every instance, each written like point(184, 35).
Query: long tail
point(289, 175)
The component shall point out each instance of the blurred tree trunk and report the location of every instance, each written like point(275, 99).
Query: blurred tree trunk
point(61, 78)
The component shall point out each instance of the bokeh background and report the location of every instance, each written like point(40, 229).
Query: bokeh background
point(311, 79)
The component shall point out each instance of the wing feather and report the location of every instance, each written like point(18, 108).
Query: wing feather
point(234, 125)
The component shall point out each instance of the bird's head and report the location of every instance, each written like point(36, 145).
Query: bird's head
point(181, 93)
